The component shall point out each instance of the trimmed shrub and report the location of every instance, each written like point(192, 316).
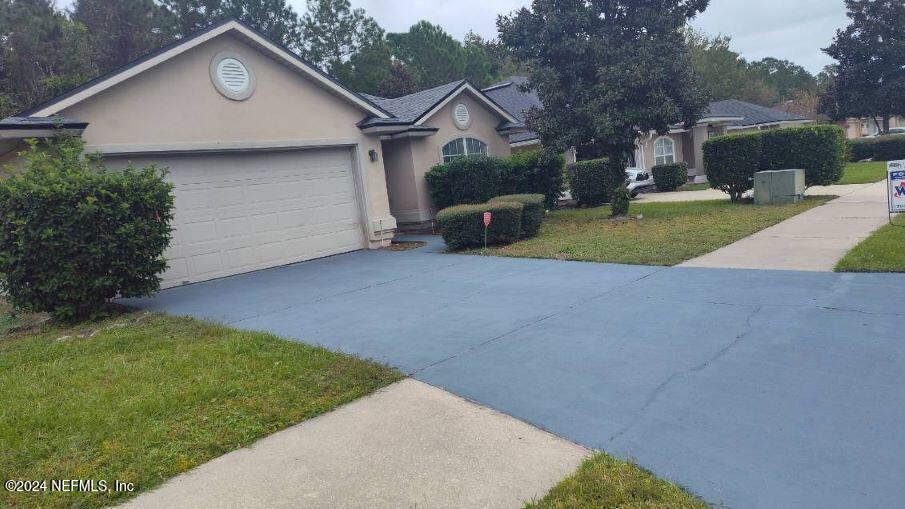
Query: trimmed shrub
point(883, 148)
point(731, 161)
point(464, 180)
point(535, 172)
point(73, 235)
point(669, 177)
point(819, 150)
point(462, 226)
point(619, 201)
point(532, 211)
point(591, 181)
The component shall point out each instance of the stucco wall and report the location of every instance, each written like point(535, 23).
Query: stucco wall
point(426, 152)
point(648, 149)
point(176, 103)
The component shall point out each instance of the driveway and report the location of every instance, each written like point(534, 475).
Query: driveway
point(751, 388)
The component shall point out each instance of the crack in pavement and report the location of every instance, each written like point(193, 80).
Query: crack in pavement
point(538, 320)
point(694, 369)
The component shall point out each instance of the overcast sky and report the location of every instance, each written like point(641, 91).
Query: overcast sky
point(788, 29)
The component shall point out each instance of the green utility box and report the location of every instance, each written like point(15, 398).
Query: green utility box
point(778, 187)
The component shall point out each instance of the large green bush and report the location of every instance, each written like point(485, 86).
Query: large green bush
point(731, 161)
point(534, 172)
point(669, 177)
point(464, 180)
point(883, 148)
point(533, 210)
point(819, 150)
point(462, 226)
point(73, 235)
point(592, 181)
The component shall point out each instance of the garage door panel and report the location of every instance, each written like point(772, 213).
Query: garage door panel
point(236, 213)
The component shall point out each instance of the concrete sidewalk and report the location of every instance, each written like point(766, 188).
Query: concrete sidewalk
point(813, 240)
point(713, 194)
point(408, 445)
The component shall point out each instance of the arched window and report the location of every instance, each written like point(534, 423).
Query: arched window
point(463, 147)
point(664, 151)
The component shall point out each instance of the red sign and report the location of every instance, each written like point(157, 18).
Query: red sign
point(487, 217)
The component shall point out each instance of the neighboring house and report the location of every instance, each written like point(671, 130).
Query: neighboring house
point(679, 144)
point(861, 127)
point(273, 161)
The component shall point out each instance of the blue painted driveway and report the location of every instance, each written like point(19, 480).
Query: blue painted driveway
point(751, 388)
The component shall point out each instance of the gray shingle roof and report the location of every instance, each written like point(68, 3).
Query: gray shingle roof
point(509, 97)
point(752, 114)
point(409, 108)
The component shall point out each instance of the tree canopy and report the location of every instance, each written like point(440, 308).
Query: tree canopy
point(869, 80)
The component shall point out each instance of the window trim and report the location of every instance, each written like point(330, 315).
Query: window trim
point(672, 153)
point(464, 148)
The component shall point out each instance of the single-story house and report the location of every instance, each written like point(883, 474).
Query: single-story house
point(679, 144)
point(272, 160)
point(860, 127)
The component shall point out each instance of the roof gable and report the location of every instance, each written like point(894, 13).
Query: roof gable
point(255, 39)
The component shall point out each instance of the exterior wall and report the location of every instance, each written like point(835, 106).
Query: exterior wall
point(175, 103)
point(11, 163)
point(426, 152)
point(647, 149)
point(400, 171)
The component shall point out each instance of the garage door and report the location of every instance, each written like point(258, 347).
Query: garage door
point(240, 212)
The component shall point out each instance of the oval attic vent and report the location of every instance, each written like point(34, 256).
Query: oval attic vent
point(233, 75)
point(461, 116)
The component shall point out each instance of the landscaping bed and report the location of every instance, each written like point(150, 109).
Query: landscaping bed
point(668, 233)
point(882, 251)
point(603, 481)
point(142, 397)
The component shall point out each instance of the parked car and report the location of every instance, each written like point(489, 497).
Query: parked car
point(894, 131)
point(639, 181)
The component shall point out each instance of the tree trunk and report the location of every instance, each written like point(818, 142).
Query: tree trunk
point(885, 124)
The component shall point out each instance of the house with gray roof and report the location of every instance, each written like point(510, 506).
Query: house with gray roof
point(679, 145)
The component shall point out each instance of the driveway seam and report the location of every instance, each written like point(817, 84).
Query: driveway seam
point(659, 389)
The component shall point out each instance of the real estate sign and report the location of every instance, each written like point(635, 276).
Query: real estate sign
point(896, 181)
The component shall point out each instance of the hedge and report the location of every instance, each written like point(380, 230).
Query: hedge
point(819, 150)
point(669, 177)
point(73, 235)
point(532, 211)
point(462, 226)
point(464, 180)
point(731, 161)
point(591, 181)
point(535, 172)
point(883, 148)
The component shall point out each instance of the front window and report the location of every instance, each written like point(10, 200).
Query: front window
point(463, 147)
point(664, 151)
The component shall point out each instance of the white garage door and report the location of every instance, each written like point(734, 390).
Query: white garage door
point(241, 212)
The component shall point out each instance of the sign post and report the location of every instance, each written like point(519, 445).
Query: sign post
point(487, 217)
point(895, 180)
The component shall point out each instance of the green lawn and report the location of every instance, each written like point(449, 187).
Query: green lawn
point(668, 233)
point(603, 481)
point(695, 187)
point(882, 251)
point(143, 397)
point(863, 173)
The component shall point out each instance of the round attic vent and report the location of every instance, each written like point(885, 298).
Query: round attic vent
point(231, 77)
point(461, 116)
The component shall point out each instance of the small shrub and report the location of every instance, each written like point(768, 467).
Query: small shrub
point(73, 235)
point(861, 149)
point(731, 161)
point(464, 180)
point(669, 177)
point(592, 181)
point(819, 150)
point(883, 148)
point(462, 226)
point(619, 201)
point(534, 172)
point(532, 211)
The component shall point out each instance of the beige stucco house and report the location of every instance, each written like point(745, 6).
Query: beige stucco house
point(856, 128)
point(273, 161)
point(679, 145)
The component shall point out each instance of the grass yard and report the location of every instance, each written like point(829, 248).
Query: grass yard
point(701, 186)
point(603, 481)
point(882, 251)
point(864, 173)
point(143, 397)
point(669, 233)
